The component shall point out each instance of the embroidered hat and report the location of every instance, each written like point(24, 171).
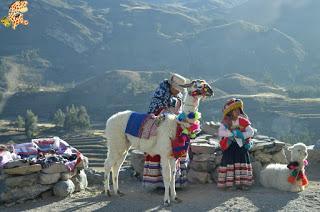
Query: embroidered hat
point(176, 81)
point(233, 104)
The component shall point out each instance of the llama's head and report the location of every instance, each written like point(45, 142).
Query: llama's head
point(199, 88)
point(298, 152)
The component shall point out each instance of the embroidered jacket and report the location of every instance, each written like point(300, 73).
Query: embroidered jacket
point(162, 99)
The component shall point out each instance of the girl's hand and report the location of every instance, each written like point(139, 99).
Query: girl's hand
point(238, 134)
point(248, 145)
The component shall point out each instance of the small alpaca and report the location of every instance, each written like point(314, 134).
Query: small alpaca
point(289, 177)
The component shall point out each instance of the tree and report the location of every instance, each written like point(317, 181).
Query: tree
point(76, 118)
point(59, 118)
point(19, 122)
point(31, 124)
point(71, 118)
point(83, 118)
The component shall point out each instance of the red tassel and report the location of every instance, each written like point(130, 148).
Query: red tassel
point(291, 179)
point(305, 181)
point(224, 144)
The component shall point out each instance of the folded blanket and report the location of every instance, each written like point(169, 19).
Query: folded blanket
point(37, 151)
point(25, 149)
point(142, 125)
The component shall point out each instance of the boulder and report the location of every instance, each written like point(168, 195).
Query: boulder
point(55, 168)
point(317, 145)
point(21, 181)
point(94, 177)
point(198, 177)
point(137, 162)
point(256, 169)
point(203, 157)
point(279, 157)
point(203, 137)
point(277, 146)
point(200, 140)
point(261, 137)
point(80, 181)
point(218, 157)
point(63, 188)
point(314, 156)
point(199, 148)
point(214, 175)
point(202, 166)
point(24, 193)
point(210, 128)
point(262, 157)
point(47, 194)
point(46, 179)
point(68, 175)
point(16, 163)
point(23, 170)
point(258, 145)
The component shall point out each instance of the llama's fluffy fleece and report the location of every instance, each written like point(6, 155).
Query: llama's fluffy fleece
point(276, 175)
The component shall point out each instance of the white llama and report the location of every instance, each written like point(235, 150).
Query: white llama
point(276, 175)
point(118, 142)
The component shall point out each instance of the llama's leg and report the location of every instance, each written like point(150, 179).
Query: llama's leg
point(115, 174)
point(173, 193)
point(107, 168)
point(166, 175)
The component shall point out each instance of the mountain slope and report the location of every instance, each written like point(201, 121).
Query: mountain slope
point(81, 39)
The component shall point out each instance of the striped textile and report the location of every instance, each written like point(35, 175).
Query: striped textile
point(152, 177)
point(235, 168)
point(237, 174)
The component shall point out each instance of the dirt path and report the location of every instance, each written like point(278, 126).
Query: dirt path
point(195, 198)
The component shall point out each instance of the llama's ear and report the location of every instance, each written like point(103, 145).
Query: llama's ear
point(188, 85)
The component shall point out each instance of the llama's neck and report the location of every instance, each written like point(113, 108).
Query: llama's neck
point(191, 104)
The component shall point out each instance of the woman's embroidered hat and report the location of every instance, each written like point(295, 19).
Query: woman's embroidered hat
point(176, 81)
point(233, 104)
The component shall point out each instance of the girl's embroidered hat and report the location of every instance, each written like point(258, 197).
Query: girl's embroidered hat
point(233, 104)
point(176, 81)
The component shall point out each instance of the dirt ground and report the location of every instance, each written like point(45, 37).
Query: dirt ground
point(195, 198)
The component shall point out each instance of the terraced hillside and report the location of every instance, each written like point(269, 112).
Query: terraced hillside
point(92, 147)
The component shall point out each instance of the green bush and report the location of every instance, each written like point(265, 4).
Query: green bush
point(31, 124)
point(19, 122)
point(59, 118)
point(76, 118)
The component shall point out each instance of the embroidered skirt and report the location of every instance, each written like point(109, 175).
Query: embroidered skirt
point(235, 167)
point(152, 177)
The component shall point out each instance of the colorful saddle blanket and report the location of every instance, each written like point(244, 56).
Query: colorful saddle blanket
point(142, 125)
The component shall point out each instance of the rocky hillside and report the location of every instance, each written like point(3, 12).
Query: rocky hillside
point(271, 111)
point(77, 41)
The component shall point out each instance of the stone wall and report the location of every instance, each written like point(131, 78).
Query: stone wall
point(20, 180)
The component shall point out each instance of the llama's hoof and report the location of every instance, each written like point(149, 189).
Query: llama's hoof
point(108, 193)
point(166, 203)
point(120, 194)
point(177, 200)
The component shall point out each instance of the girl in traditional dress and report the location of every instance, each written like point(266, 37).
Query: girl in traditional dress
point(166, 98)
point(235, 170)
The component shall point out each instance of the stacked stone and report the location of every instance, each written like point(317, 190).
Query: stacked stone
point(205, 155)
point(20, 180)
